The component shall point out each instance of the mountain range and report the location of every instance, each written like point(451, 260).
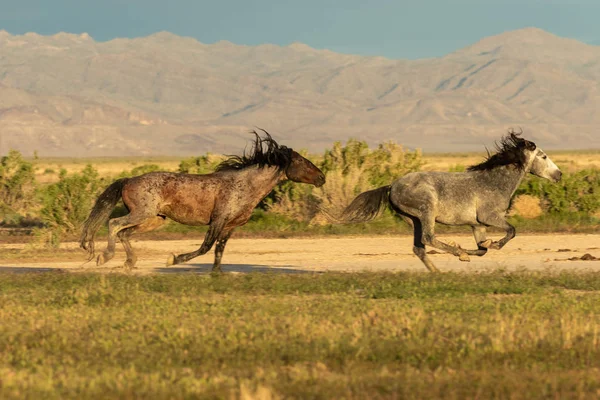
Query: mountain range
point(68, 95)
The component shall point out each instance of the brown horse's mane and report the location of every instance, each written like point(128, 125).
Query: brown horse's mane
point(265, 151)
point(510, 151)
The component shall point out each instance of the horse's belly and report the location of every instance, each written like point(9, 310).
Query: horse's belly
point(464, 217)
point(456, 221)
point(187, 215)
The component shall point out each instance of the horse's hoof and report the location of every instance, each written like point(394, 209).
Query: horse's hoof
point(432, 268)
point(487, 244)
point(129, 264)
point(100, 260)
point(464, 257)
point(171, 260)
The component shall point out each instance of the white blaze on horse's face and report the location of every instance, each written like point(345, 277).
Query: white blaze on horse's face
point(544, 167)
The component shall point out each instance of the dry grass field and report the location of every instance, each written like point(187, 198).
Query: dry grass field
point(47, 168)
point(260, 335)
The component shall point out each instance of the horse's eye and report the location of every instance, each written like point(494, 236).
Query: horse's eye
point(545, 156)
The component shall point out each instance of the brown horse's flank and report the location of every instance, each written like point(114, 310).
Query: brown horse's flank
point(222, 200)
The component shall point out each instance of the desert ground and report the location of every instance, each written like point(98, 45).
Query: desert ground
point(320, 254)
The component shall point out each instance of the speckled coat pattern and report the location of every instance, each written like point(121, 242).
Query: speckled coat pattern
point(479, 198)
point(223, 200)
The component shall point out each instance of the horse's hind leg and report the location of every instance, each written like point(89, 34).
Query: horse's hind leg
point(428, 224)
point(479, 235)
point(116, 225)
point(219, 249)
point(125, 234)
point(418, 246)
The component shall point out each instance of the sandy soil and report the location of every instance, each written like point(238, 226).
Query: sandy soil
point(530, 252)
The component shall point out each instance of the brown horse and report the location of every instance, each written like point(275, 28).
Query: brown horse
point(223, 200)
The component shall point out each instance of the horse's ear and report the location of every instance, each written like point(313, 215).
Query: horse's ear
point(515, 137)
point(530, 145)
point(519, 142)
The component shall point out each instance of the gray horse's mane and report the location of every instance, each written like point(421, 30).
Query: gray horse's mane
point(265, 151)
point(510, 151)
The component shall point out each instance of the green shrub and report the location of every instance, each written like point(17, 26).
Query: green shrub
point(140, 170)
point(576, 192)
point(457, 168)
point(355, 168)
point(67, 203)
point(199, 165)
point(17, 185)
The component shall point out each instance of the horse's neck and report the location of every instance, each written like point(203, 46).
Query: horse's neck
point(260, 181)
point(506, 179)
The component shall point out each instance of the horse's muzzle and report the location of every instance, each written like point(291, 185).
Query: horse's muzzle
point(557, 175)
point(320, 181)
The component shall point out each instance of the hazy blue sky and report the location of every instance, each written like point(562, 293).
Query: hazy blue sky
point(395, 29)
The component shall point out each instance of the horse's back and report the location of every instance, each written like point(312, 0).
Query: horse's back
point(450, 196)
point(442, 183)
point(185, 198)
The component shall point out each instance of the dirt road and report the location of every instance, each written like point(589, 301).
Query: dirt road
point(375, 253)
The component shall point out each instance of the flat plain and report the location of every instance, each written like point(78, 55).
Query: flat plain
point(335, 316)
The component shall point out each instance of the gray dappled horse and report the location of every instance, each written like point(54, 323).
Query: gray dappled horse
point(479, 197)
point(223, 200)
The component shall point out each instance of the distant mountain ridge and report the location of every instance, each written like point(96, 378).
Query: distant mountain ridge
point(67, 94)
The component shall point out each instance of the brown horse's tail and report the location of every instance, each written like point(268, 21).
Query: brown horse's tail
point(368, 205)
point(99, 214)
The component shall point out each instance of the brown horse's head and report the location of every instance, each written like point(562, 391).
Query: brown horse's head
point(267, 152)
point(302, 170)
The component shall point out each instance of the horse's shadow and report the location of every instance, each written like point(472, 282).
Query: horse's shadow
point(238, 268)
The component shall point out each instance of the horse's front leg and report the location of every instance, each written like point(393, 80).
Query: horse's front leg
point(497, 221)
point(214, 232)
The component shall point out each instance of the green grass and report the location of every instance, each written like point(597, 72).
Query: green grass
point(367, 335)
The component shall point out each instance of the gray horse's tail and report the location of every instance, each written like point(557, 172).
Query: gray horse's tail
point(368, 205)
point(105, 203)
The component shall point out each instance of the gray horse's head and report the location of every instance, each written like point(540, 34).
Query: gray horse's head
point(538, 161)
point(522, 154)
point(544, 167)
